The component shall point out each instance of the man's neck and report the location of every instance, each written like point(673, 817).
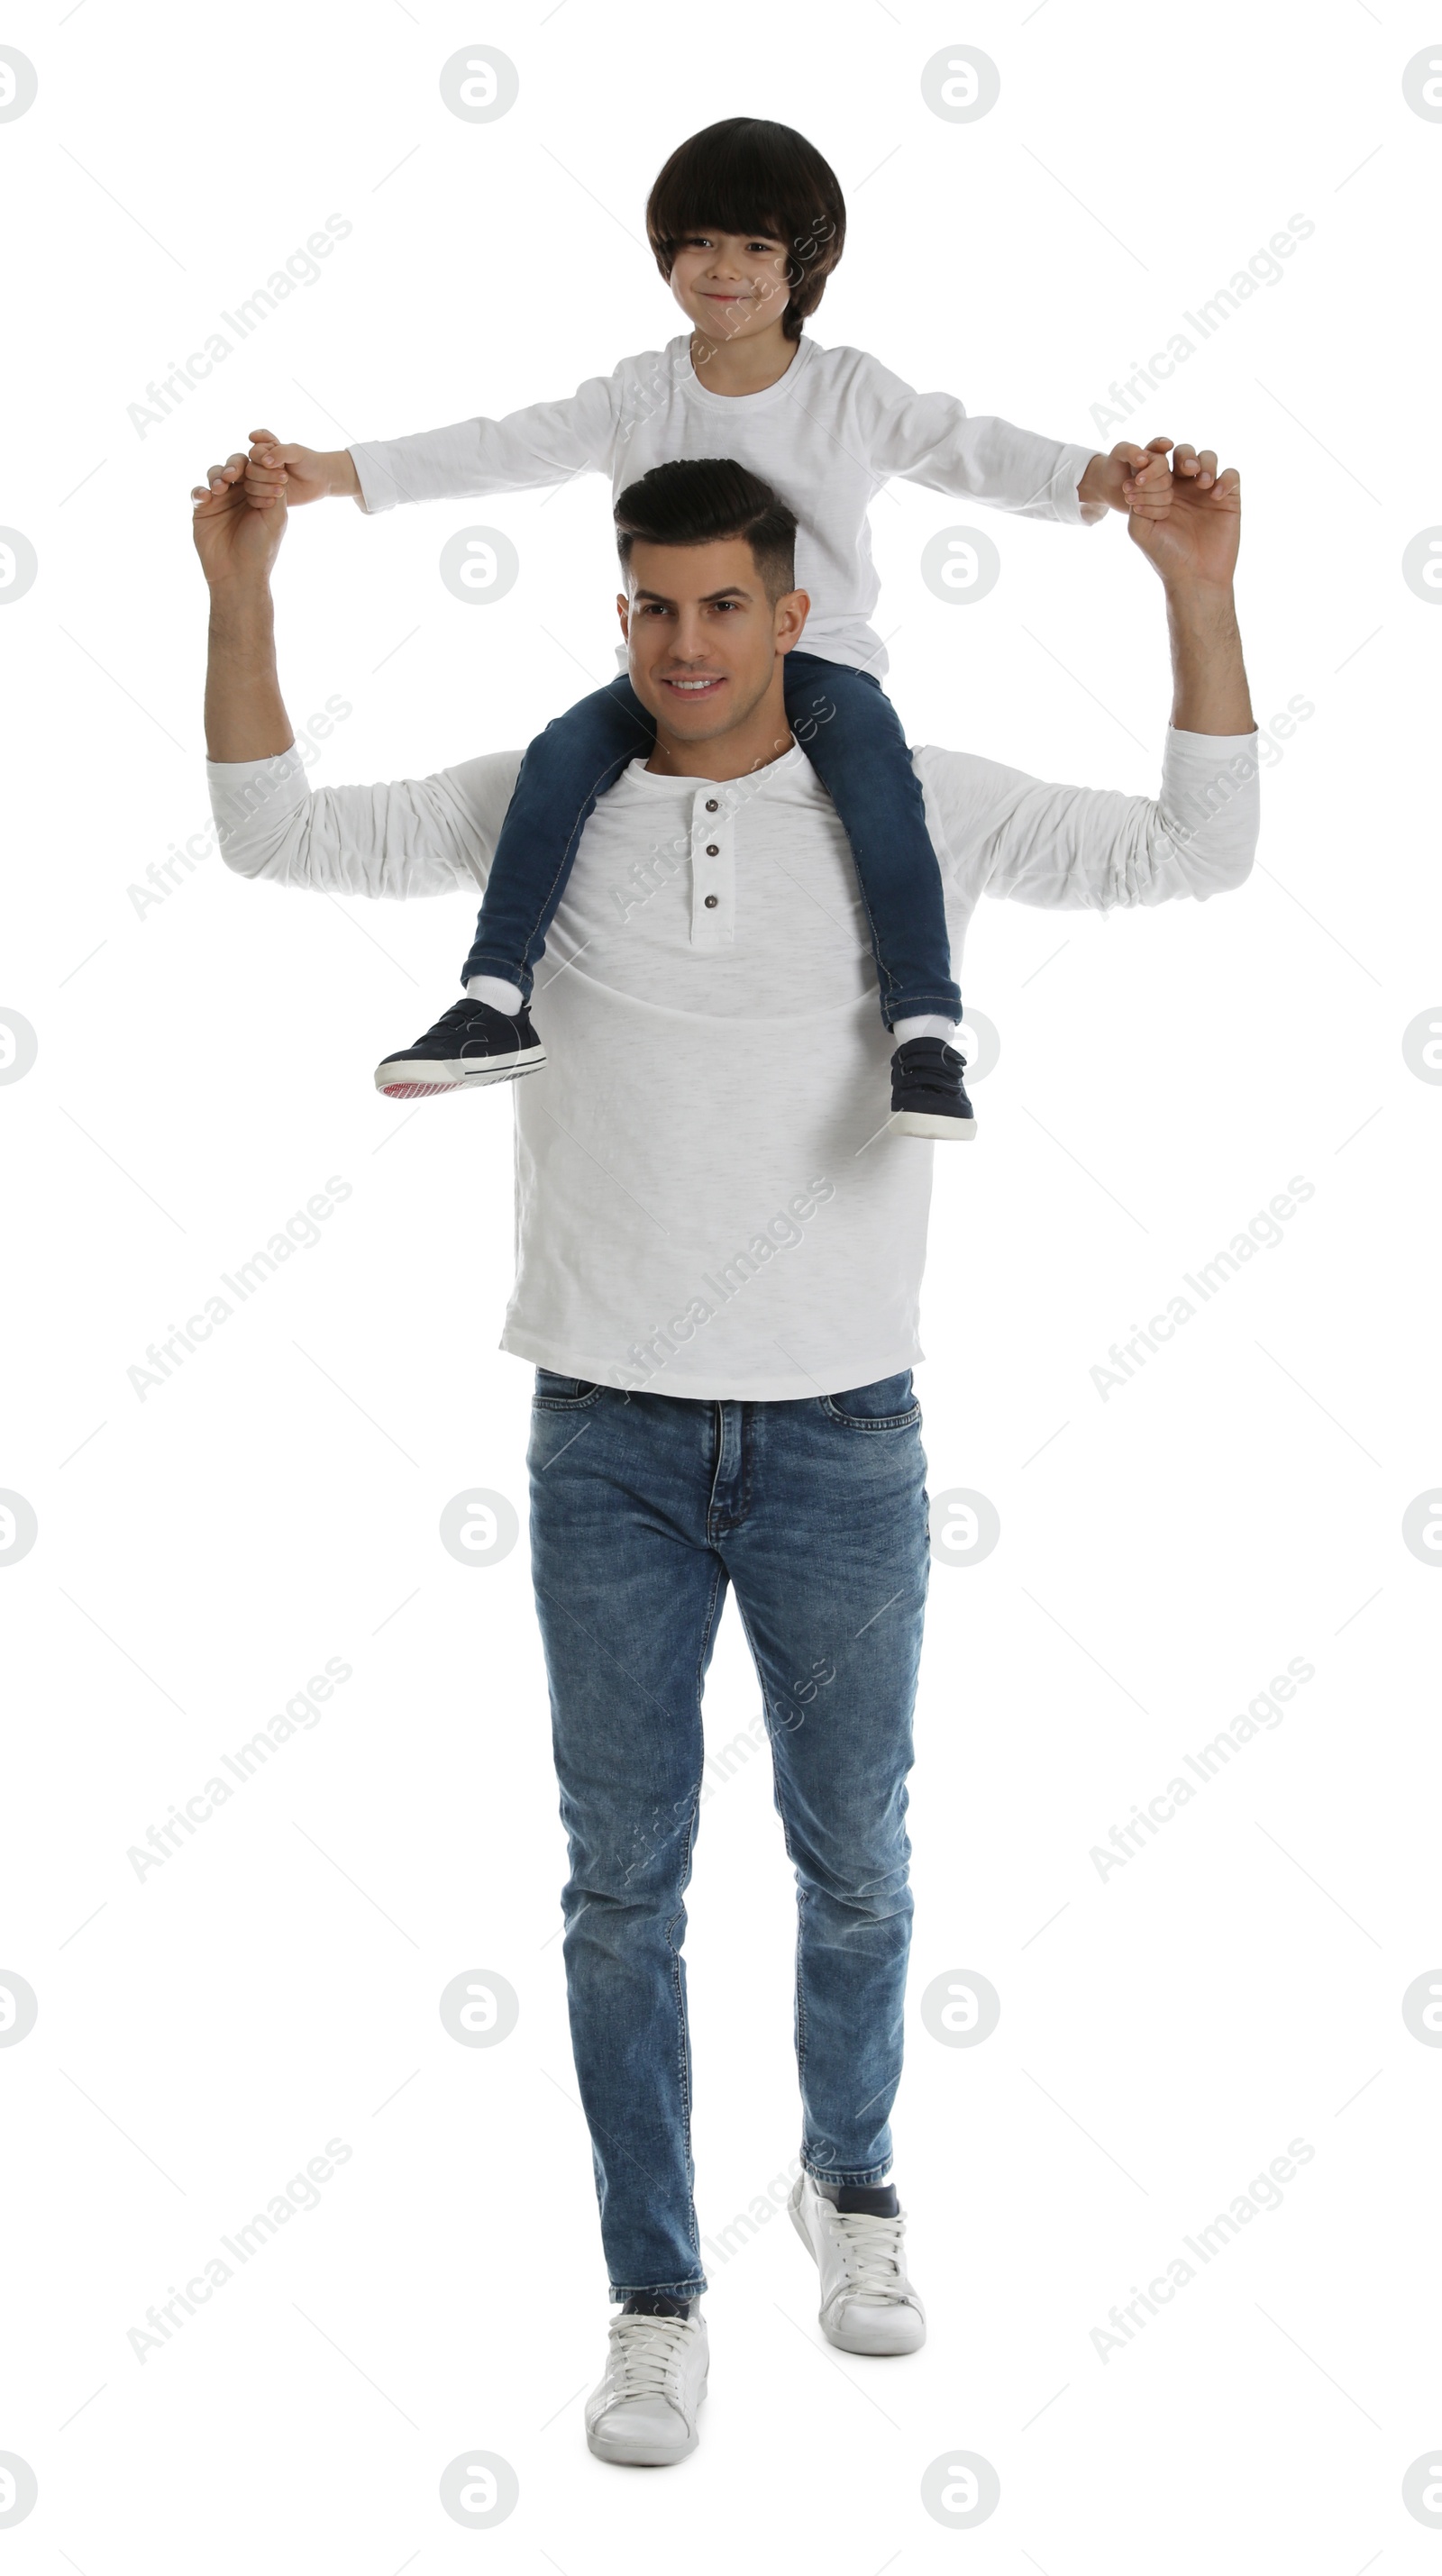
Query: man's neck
point(725, 757)
point(749, 365)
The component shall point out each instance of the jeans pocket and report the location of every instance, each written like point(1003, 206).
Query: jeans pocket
point(559, 1394)
point(888, 1404)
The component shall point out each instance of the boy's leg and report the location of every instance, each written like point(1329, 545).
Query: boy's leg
point(851, 734)
point(628, 1593)
point(489, 1037)
point(566, 768)
point(829, 1558)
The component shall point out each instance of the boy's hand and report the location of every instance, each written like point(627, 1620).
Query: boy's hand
point(274, 472)
point(1139, 479)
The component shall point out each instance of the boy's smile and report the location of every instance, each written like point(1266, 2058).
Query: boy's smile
point(730, 284)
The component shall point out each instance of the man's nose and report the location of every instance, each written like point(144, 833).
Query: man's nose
point(689, 643)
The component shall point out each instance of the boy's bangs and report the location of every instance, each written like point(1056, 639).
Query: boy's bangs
point(728, 199)
point(734, 182)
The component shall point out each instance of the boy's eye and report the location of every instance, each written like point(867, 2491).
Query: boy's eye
point(707, 241)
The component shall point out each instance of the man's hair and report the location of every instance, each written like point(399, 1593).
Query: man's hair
point(747, 175)
point(696, 500)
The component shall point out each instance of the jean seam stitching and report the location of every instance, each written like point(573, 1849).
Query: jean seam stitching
point(874, 1421)
point(683, 2042)
point(798, 1982)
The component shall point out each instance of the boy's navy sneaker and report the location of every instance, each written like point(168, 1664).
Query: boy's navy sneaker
point(469, 1044)
point(928, 1096)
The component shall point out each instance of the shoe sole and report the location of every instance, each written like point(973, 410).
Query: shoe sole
point(867, 2352)
point(926, 1122)
point(638, 2456)
point(412, 1078)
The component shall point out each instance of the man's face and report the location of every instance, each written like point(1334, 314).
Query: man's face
point(703, 637)
point(730, 285)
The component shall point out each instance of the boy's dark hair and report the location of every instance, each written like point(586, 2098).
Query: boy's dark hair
point(695, 500)
point(746, 174)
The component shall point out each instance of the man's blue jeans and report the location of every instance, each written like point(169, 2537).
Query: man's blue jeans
point(852, 736)
point(644, 1508)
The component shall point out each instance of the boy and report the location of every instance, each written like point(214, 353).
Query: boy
point(746, 221)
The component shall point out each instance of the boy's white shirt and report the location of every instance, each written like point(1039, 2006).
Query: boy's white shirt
point(707, 1203)
point(827, 436)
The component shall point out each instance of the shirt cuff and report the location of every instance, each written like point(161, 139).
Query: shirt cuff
point(242, 789)
point(1208, 777)
point(1073, 465)
point(1208, 746)
point(377, 492)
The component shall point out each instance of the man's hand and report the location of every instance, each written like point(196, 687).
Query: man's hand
point(274, 472)
point(1196, 541)
point(236, 545)
point(1194, 548)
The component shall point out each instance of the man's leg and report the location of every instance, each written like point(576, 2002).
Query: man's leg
point(829, 1557)
point(628, 1592)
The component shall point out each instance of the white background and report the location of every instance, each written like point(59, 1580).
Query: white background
point(204, 1067)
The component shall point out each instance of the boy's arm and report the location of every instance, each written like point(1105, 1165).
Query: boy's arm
point(544, 443)
point(931, 439)
point(1092, 848)
point(414, 836)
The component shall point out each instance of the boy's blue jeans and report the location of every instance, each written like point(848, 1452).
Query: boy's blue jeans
point(644, 1508)
point(849, 731)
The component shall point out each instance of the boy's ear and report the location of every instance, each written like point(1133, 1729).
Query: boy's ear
point(623, 607)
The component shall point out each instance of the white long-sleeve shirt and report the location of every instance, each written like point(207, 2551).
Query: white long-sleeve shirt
point(704, 1205)
point(826, 436)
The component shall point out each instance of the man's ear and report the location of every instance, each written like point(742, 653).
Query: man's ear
point(623, 611)
point(792, 610)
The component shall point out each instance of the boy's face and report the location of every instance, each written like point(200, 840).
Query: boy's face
point(730, 285)
point(703, 637)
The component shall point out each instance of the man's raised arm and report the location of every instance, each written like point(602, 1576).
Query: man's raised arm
point(412, 836)
point(1093, 848)
point(245, 717)
point(1194, 549)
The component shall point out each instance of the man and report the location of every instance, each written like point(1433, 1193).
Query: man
point(718, 1277)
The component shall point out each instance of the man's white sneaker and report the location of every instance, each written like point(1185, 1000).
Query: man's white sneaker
point(643, 2414)
point(867, 2303)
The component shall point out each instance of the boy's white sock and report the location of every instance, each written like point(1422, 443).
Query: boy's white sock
point(929, 1025)
point(500, 995)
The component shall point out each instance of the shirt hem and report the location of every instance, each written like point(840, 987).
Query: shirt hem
point(732, 1386)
